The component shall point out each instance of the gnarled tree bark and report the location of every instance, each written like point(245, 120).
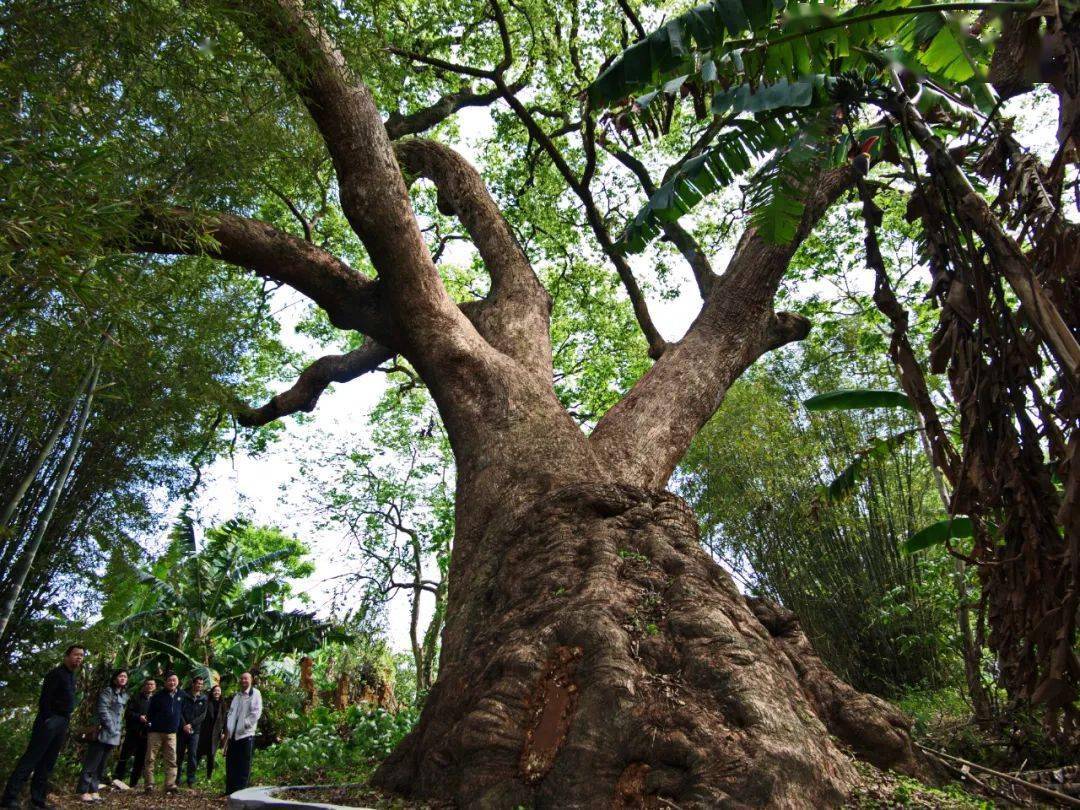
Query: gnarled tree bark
point(595, 656)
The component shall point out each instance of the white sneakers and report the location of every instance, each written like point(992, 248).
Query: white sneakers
point(120, 784)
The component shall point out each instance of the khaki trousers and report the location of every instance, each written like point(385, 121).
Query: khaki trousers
point(166, 743)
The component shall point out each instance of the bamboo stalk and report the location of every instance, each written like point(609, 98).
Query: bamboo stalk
point(8, 606)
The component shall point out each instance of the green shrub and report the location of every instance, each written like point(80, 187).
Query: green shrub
point(337, 746)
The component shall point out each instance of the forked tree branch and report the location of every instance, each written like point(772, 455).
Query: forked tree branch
point(371, 189)
point(462, 192)
point(579, 185)
point(518, 323)
point(398, 126)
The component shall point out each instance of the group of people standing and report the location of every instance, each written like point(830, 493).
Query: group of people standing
point(148, 718)
point(178, 726)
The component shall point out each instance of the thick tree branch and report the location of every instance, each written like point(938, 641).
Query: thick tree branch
point(518, 323)
point(628, 12)
point(316, 378)
point(645, 434)
point(349, 298)
point(304, 394)
point(371, 189)
point(579, 186)
point(462, 192)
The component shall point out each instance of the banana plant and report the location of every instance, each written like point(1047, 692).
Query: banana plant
point(781, 79)
point(221, 606)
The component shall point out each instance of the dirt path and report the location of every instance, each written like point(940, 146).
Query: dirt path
point(137, 800)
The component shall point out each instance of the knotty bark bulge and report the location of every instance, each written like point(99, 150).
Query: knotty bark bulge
point(595, 656)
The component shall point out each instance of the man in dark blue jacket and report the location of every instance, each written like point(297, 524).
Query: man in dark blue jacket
point(193, 712)
point(55, 705)
point(163, 722)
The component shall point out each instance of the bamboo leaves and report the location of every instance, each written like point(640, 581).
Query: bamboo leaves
point(878, 450)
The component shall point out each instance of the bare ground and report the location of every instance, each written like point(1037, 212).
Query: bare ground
point(138, 800)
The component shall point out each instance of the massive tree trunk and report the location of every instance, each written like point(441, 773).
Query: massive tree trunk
point(595, 656)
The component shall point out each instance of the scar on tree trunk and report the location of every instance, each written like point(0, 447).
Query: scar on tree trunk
point(595, 656)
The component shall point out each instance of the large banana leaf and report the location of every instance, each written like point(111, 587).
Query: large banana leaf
point(958, 527)
point(754, 61)
point(856, 399)
point(668, 51)
point(734, 152)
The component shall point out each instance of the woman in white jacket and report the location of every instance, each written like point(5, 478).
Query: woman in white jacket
point(239, 737)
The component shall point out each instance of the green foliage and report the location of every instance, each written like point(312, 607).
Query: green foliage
point(756, 474)
point(857, 398)
point(220, 607)
point(958, 527)
point(334, 747)
point(804, 68)
point(173, 347)
point(734, 152)
point(878, 450)
point(669, 49)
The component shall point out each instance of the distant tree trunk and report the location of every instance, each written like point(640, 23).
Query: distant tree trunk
point(42, 523)
point(430, 645)
point(307, 683)
point(423, 645)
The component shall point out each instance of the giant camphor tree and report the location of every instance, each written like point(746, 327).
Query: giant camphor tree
point(593, 654)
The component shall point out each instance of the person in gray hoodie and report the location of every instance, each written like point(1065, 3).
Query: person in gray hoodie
point(109, 711)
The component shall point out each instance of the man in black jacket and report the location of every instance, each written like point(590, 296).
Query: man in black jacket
point(165, 720)
point(192, 713)
point(55, 705)
point(136, 722)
